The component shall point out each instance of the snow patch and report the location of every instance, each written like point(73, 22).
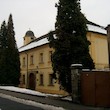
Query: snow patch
point(43, 41)
point(34, 44)
point(32, 103)
point(27, 91)
point(96, 29)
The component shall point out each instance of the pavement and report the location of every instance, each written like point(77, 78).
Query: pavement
point(68, 105)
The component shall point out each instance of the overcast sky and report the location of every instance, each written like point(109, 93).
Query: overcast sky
point(40, 15)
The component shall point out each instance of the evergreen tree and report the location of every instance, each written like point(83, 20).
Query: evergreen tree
point(9, 55)
point(3, 49)
point(70, 44)
point(13, 63)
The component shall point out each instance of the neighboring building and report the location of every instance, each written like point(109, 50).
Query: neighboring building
point(35, 58)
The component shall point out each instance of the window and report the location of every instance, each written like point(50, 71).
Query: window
point(41, 79)
point(50, 79)
point(24, 61)
point(41, 57)
point(50, 54)
point(23, 79)
point(32, 38)
point(31, 60)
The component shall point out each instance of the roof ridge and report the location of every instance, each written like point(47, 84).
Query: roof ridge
point(94, 24)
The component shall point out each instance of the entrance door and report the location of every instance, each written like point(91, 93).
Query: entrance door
point(32, 82)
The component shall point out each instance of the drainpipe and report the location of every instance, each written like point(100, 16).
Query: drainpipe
point(108, 39)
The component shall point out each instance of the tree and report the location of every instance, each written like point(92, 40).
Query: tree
point(3, 58)
point(70, 44)
point(9, 55)
point(13, 65)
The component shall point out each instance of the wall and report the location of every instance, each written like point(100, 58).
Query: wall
point(99, 49)
point(42, 68)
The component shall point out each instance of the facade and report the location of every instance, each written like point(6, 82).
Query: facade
point(35, 58)
point(99, 46)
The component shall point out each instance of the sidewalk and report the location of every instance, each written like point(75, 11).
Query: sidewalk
point(68, 105)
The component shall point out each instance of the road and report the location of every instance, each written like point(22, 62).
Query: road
point(44, 100)
point(6, 104)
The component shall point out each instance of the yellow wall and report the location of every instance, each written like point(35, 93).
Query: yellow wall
point(28, 39)
point(42, 68)
point(98, 51)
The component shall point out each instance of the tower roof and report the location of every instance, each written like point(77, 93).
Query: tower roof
point(29, 33)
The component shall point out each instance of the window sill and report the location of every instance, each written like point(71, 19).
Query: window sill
point(41, 84)
point(31, 64)
point(23, 66)
point(41, 62)
point(51, 85)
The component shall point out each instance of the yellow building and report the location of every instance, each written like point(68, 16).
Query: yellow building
point(35, 58)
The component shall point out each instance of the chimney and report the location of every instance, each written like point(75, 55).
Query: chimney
point(108, 39)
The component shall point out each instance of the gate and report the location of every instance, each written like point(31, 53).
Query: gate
point(95, 88)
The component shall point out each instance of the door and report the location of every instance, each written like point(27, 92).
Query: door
point(32, 81)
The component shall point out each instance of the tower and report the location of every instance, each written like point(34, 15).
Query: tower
point(29, 36)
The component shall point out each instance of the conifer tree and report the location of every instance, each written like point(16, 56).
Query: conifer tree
point(9, 55)
point(3, 52)
point(13, 63)
point(70, 44)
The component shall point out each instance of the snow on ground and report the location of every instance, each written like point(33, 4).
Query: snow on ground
point(21, 90)
point(27, 91)
point(29, 102)
point(32, 103)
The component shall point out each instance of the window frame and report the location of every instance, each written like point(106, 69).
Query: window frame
point(51, 81)
point(41, 82)
point(41, 58)
point(32, 60)
point(24, 62)
point(23, 79)
point(50, 54)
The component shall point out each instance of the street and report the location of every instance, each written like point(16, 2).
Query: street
point(6, 104)
point(38, 102)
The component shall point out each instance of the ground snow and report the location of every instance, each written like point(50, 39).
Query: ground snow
point(32, 92)
point(32, 103)
point(27, 91)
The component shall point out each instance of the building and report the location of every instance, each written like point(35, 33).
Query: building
point(35, 58)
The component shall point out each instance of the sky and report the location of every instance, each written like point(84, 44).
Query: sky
point(39, 16)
